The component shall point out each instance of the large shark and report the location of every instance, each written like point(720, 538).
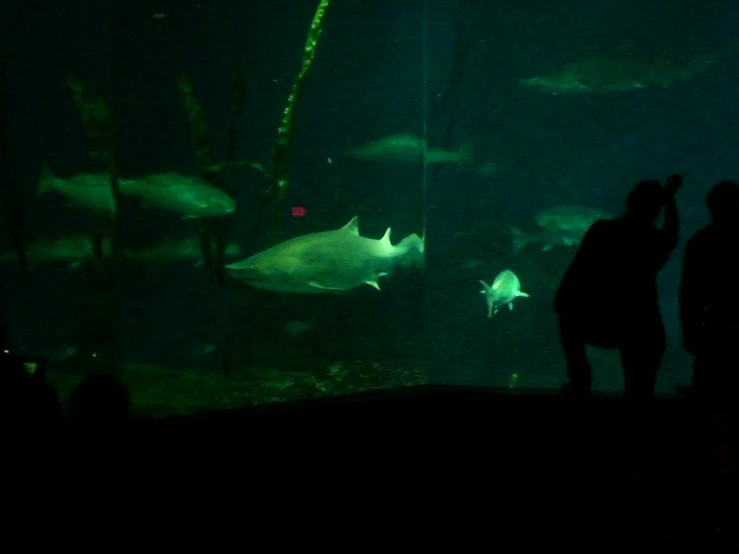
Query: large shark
point(328, 261)
point(618, 73)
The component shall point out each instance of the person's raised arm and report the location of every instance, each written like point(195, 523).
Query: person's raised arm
point(669, 234)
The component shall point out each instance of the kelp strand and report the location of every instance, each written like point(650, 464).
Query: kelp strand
point(278, 174)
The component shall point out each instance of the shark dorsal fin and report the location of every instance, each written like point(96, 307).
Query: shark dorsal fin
point(352, 227)
point(386, 237)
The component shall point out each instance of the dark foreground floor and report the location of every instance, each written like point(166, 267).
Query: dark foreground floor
point(427, 468)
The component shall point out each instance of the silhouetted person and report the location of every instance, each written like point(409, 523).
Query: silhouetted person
point(30, 407)
point(709, 306)
point(101, 404)
point(608, 295)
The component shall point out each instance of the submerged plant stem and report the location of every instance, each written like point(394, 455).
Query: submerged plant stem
point(278, 174)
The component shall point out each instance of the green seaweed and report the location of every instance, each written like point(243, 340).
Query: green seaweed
point(95, 119)
point(213, 233)
point(202, 148)
point(97, 324)
point(278, 173)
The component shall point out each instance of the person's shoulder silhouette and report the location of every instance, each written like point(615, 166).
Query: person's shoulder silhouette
point(709, 296)
point(101, 402)
point(617, 262)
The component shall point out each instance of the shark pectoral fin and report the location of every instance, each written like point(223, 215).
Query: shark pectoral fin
point(74, 265)
point(546, 247)
point(374, 284)
point(317, 285)
point(522, 294)
point(199, 264)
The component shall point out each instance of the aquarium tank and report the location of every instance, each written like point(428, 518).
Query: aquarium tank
point(236, 203)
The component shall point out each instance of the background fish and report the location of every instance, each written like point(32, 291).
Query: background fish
point(89, 191)
point(406, 147)
point(176, 250)
point(561, 226)
point(190, 196)
point(296, 327)
point(608, 74)
point(72, 250)
point(77, 249)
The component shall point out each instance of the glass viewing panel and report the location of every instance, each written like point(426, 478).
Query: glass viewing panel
point(205, 193)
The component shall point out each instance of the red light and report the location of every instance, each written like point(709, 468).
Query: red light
point(299, 211)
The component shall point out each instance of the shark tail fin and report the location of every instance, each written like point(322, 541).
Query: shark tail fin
point(46, 180)
point(411, 251)
point(520, 239)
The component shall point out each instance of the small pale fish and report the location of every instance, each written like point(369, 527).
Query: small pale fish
point(409, 148)
point(560, 226)
point(505, 289)
point(328, 261)
point(89, 191)
point(190, 196)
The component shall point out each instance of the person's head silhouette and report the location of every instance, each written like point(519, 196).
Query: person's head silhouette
point(722, 202)
point(645, 200)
